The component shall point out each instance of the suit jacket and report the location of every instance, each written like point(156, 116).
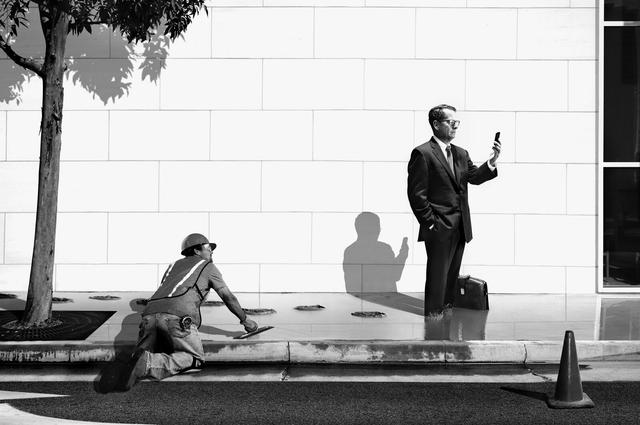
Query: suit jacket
point(437, 196)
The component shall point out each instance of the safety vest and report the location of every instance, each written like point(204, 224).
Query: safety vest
point(182, 289)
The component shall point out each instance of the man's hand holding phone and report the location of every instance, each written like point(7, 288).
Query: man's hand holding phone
point(497, 146)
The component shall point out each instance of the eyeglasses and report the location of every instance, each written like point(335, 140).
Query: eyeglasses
point(452, 123)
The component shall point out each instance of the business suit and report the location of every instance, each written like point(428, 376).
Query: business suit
point(439, 200)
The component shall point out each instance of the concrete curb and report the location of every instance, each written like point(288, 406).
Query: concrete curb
point(337, 352)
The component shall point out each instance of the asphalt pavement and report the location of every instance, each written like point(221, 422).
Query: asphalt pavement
point(318, 403)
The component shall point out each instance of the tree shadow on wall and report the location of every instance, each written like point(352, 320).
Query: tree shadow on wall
point(372, 270)
point(107, 76)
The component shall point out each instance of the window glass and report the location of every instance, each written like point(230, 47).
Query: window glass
point(621, 94)
point(621, 10)
point(621, 237)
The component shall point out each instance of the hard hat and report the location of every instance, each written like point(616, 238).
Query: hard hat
point(195, 239)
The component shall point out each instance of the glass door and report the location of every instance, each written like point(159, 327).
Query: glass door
point(619, 146)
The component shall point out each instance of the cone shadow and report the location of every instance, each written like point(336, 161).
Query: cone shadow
point(531, 394)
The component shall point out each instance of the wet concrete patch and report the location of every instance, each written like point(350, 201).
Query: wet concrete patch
point(314, 307)
point(369, 314)
point(104, 297)
point(7, 296)
point(259, 311)
point(61, 300)
point(142, 301)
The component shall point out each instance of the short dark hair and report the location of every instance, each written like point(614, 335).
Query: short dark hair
point(437, 113)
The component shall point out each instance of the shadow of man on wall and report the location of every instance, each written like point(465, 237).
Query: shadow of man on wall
point(372, 270)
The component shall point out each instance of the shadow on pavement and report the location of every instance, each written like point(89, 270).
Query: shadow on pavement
point(531, 394)
point(113, 374)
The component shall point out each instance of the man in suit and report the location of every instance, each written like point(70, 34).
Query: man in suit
point(437, 189)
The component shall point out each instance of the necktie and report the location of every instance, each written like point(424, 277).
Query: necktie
point(450, 159)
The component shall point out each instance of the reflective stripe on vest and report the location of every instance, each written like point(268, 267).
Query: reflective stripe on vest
point(187, 276)
point(166, 274)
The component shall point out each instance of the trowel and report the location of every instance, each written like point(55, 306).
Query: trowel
point(252, 333)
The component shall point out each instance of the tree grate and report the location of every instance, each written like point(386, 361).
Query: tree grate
point(71, 325)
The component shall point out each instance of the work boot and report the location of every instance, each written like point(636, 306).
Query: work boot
point(135, 369)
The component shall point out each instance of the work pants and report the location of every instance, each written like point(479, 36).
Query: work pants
point(444, 257)
point(170, 348)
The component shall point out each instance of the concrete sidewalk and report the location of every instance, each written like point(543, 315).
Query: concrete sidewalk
point(517, 329)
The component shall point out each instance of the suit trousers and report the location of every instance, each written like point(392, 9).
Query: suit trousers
point(444, 258)
point(169, 348)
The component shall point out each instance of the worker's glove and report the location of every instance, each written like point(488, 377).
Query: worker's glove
point(249, 325)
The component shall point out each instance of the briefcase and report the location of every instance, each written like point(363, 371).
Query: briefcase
point(471, 293)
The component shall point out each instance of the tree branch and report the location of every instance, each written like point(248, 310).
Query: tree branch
point(27, 63)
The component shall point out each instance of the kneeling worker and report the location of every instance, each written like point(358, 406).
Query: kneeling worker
point(168, 342)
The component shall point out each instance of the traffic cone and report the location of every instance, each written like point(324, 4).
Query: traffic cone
point(569, 393)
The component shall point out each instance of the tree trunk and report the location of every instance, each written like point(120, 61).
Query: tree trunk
point(37, 311)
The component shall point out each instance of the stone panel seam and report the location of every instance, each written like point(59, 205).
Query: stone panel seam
point(211, 35)
point(364, 84)
point(415, 33)
point(210, 135)
point(163, 62)
point(261, 84)
point(517, 31)
point(158, 183)
point(4, 238)
point(362, 187)
point(108, 220)
point(568, 85)
point(108, 135)
point(464, 83)
point(6, 134)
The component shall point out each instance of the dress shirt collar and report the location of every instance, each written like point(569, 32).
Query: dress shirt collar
point(443, 145)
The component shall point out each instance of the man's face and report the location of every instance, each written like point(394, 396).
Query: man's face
point(204, 252)
point(445, 129)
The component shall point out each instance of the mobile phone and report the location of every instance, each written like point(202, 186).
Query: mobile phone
point(497, 138)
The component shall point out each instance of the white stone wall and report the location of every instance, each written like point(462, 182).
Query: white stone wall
point(274, 123)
